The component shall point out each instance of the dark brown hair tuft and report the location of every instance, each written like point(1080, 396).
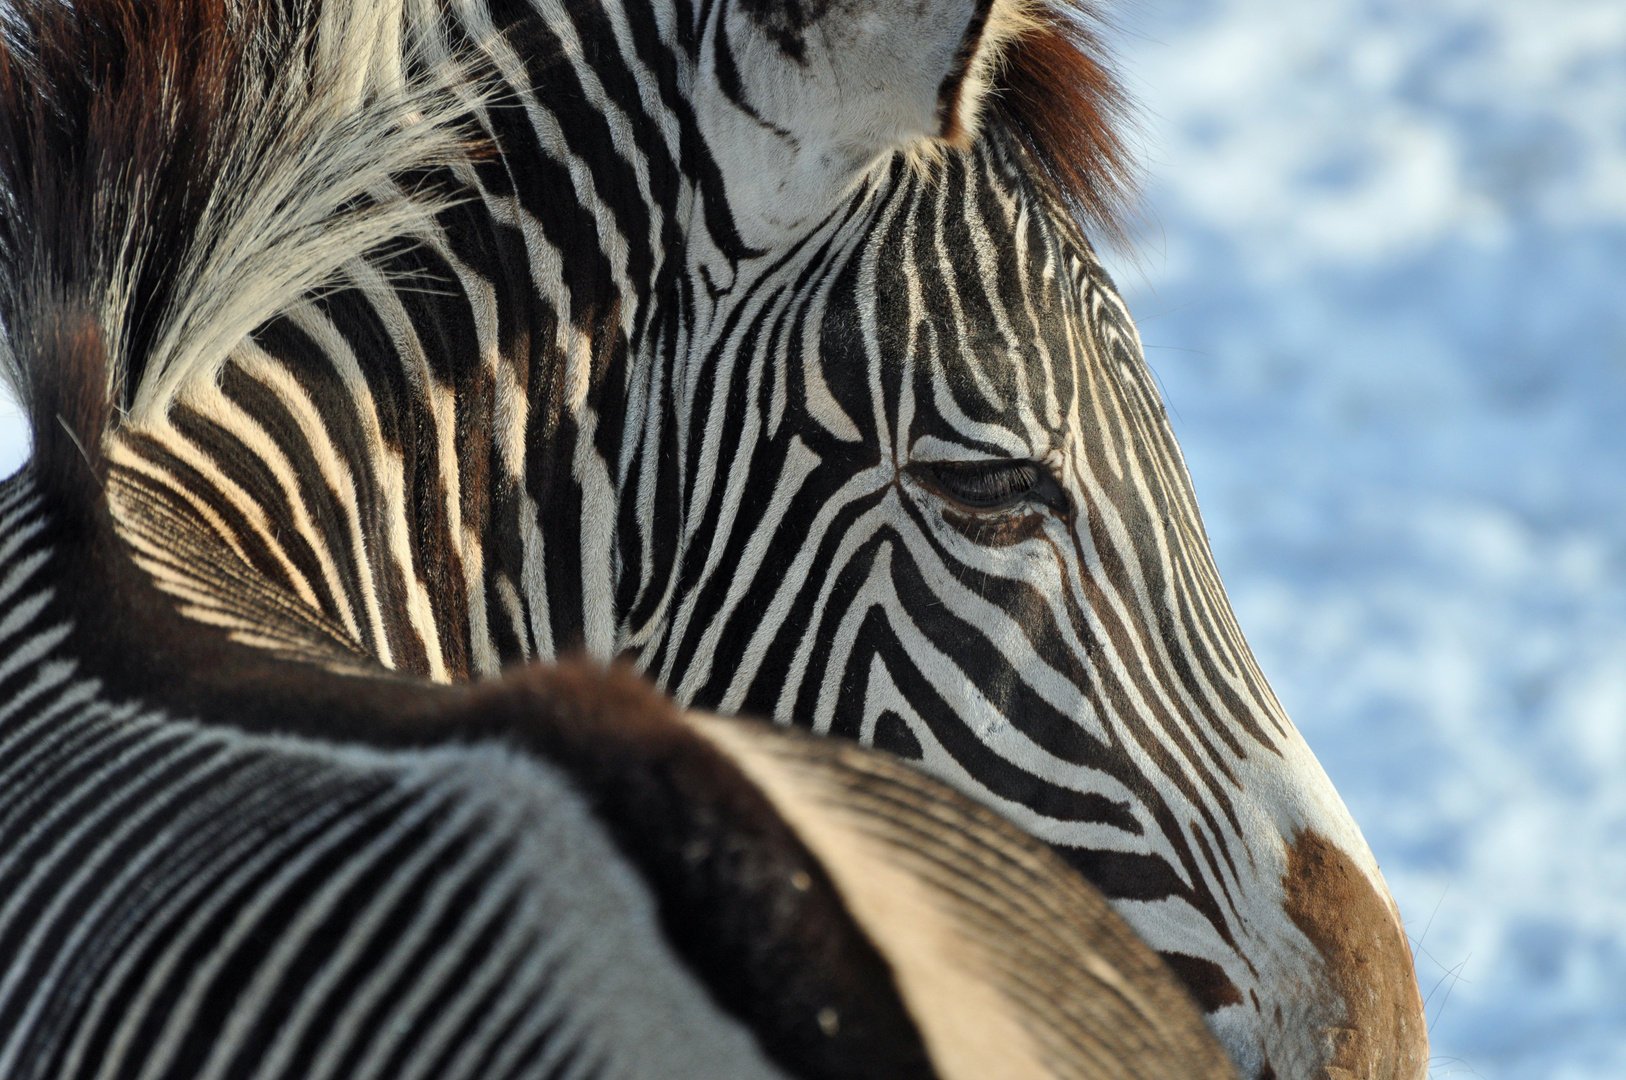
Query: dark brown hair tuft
point(1058, 94)
point(113, 115)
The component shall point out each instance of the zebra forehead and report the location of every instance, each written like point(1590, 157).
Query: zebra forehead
point(957, 290)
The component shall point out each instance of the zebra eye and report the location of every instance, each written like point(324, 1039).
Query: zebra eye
point(992, 486)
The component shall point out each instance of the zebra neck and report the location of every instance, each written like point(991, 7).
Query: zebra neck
point(97, 666)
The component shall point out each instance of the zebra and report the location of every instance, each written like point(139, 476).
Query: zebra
point(758, 343)
point(218, 861)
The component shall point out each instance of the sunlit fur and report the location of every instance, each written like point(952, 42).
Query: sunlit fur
point(645, 376)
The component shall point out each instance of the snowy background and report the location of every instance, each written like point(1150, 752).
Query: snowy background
point(1382, 284)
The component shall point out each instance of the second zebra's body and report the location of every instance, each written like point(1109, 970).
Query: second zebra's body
point(756, 342)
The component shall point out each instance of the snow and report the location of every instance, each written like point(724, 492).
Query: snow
point(13, 434)
point(1382, 285)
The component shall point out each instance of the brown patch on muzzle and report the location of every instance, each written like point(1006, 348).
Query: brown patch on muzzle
point(1369, 964)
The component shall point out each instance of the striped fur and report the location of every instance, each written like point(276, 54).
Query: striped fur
point(755, 341)
point(547, 876)
point(188, 901)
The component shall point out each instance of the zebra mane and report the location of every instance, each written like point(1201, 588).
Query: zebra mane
point(1059, 94)
point(172, 174)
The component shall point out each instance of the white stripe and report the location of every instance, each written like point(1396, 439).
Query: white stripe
point(295, 937)
point(180, 1017)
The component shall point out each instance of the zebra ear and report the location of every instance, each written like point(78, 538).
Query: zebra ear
point(799, 96)
point(1007, 962)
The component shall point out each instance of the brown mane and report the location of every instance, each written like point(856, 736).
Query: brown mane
point(109, 118)
point(173, 171)
point(1059, 95)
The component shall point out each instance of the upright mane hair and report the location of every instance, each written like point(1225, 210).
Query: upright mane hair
point(173, 172)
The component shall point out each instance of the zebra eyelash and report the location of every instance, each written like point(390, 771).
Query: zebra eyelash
point(993, 486)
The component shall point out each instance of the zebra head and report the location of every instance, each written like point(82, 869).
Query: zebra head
point(929, 499)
